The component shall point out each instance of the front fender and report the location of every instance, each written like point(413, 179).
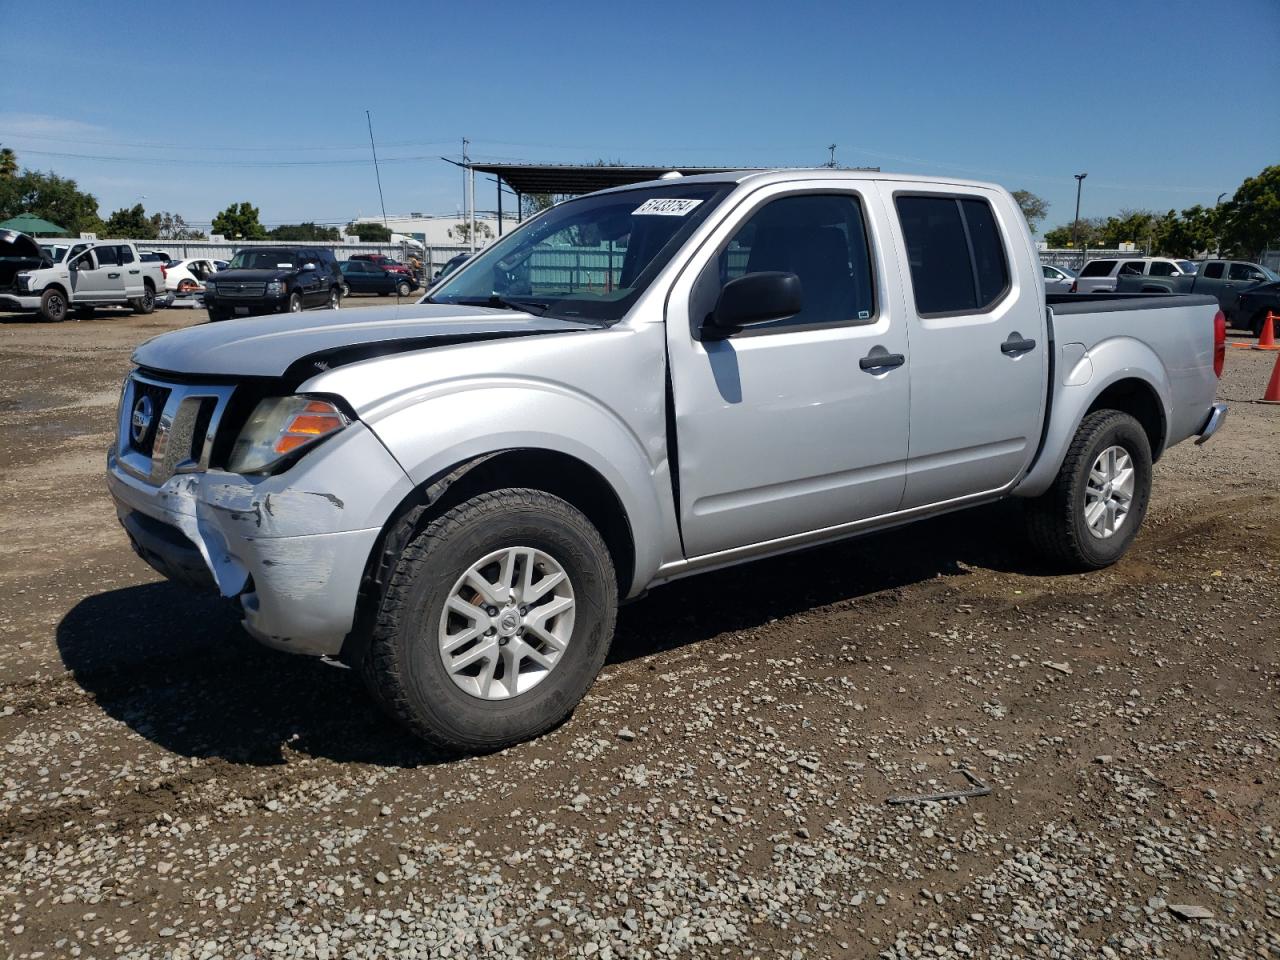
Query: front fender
point(1080, 378)
point(434, 434)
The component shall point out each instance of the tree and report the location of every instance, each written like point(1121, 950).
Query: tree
point(1033, 208)
point(1251, 218)
point(239, 222)
point(131, 224)
point(369, 231)
point(8, 164)
point(1086, 232)
point(51, 197)
point(462, 231)
point(534, 203)
point(305, 233)
point(172, 226)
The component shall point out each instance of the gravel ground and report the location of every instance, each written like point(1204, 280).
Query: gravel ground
point(170, 789)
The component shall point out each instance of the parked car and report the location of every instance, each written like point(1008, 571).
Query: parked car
point(382, 260)
point(155, 256)
point(1253, 304)
point(361, 276)
point(282, 279)
point(1224, 279)
point(1100, 276)
point(18, 253)
point(1057, 279)
point(188, 276)
point(85, 275)
point(450, 265)
point(453, 497)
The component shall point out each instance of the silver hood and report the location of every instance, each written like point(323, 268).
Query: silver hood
point(269, 346)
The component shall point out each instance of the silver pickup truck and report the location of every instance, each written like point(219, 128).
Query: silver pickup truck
point(82, 275)
point(639, 385)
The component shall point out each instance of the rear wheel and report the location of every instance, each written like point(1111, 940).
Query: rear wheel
point(186, 286)
point(335, 298)
point(1091, 514)
point(145, 303)
point(53, 306)
point(404, 289)
point(495, 622)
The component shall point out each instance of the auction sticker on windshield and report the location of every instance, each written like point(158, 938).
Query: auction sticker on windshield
point(665, 207)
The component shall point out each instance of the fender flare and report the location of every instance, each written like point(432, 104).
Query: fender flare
point(1077, 389)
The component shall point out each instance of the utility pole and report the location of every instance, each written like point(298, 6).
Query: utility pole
point(376, 172)
point(832, 162)
point(1075, 224)
point(468, 194)
point(1217, 225)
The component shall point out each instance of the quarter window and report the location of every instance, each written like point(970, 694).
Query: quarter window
point(821, 239)
point(956, 253)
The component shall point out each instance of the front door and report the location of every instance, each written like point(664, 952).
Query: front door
point(978, 356)
point(98, 277)
point(800, 424)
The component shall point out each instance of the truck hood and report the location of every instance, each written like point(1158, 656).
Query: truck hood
point(302, 344)
point(252, 276)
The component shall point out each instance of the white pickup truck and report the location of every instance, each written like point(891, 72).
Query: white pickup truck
point(453, 497)
point(80, 275)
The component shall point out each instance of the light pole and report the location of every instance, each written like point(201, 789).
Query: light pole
point(1217, 225)
point(1075, 224)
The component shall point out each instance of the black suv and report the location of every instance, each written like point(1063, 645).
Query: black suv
point(274, 280)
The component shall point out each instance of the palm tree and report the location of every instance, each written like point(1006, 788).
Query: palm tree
point(8, 164)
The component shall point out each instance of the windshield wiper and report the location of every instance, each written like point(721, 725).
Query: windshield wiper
point(506, 303)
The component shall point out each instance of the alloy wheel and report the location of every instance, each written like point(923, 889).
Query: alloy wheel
point(1108, 495)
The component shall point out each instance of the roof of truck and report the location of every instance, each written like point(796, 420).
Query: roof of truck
point(788, 174)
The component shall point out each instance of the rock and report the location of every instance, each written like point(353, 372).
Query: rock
point(627, 734)
point(1188, 911)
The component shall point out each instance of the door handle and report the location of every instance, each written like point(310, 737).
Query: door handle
point(1016, 344)
point(113, 276)
point(133, 272)
point(882, 361)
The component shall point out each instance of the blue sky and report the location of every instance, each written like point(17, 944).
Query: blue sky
point(1164, 104)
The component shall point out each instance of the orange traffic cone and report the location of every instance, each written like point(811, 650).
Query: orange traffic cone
point(1267, 340)
point(1273, 388)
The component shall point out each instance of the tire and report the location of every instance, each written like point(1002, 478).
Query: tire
point(1056, 521)
point(145, 303)
point(335, 298)
point(403, 289)
point(404, 666)
point(295, 302)
point(186, 286)
point(53, 305)
point(346, 291)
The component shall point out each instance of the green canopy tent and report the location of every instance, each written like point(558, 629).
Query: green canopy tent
point(32, 226)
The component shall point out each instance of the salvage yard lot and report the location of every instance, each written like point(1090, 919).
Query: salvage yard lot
point(169, 788)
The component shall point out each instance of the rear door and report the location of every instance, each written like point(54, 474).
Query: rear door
point(131, 271)
point(978, 356)
point(782, 430)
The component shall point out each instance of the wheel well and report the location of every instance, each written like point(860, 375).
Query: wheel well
point(1136, 398)
point(556, 473)
point(148, 282)
point(54, 286)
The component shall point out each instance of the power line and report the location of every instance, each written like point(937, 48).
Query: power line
point(376, 172)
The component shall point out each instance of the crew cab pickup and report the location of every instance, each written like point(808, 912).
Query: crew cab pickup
point(453, 497)
point(85, 274)
point(1223, 279)
point(1103, 276)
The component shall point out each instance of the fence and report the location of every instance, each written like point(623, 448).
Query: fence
point(1071, 257)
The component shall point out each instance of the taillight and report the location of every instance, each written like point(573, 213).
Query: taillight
point(1073, 287)
point(1219, 342)
point(164, 271)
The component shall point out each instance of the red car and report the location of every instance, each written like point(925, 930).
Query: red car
point(385, 262)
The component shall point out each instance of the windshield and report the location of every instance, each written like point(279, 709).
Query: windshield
point(585, 259)
point(262, 260)
point(1270, 274)
point(1187, 266)
point(54, 252)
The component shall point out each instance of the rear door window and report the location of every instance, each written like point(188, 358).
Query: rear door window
point(1098, 268)
point(956, 254)
point(125, 254)
point(107, 256)
point(1131, 268)
point(1213, 271)
point(1161, 269)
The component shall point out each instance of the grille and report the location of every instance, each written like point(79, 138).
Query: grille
point(158, 396)
point(241, 289)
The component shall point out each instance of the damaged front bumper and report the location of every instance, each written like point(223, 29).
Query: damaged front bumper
point(292, 548)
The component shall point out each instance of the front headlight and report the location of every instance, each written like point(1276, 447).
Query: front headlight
point(210, 287)
point(281, 427)
point(276, 288)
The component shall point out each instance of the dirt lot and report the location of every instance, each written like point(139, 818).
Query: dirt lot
point(168, 788)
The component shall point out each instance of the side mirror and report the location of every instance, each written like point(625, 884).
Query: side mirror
point(308, 266)
point(750, 300)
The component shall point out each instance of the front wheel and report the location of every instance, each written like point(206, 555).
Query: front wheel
point(1091, 514)
point(495, 622)
point(295, 302)
point(53, 306)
